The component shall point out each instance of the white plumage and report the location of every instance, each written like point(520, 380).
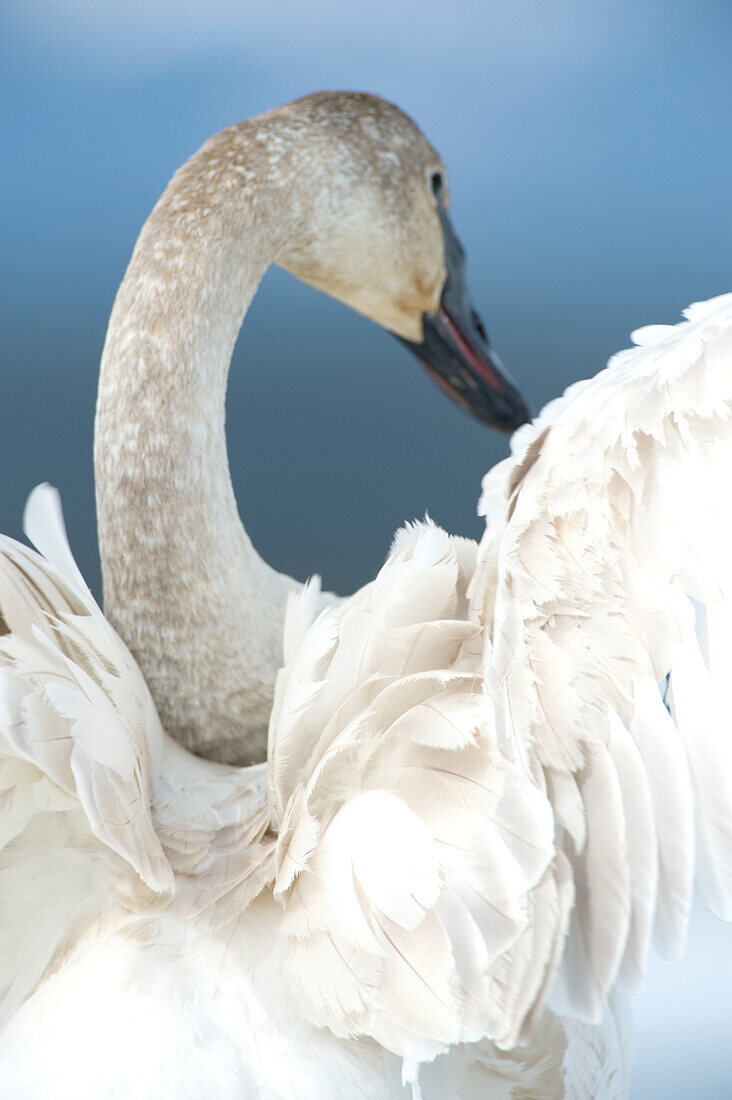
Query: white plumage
point(610, 523)
point(494, 776)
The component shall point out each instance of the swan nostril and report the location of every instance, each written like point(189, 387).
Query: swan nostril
point(479, 326)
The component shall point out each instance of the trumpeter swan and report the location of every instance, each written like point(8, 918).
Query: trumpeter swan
point(476, 808)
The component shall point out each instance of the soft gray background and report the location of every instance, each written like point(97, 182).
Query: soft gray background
point(588, 143)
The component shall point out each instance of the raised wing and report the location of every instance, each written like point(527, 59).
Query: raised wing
point(80, 746)
point(604, 590)
point(75, 713)
point(424, 903)
point(98, 806)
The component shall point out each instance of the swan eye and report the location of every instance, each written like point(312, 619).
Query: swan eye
point(437, 182)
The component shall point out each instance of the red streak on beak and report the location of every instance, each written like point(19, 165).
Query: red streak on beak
point(469, 356)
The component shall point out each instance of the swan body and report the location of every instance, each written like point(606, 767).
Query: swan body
point(167, 967)
point(476, 812)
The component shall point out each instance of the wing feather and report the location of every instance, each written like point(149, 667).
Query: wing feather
point(88, 726)
point(97, 805)
point(413, 859)
point(604, 576)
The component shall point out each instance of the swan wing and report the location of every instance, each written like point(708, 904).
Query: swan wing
point(80, 745)
point(80, 722)
point(423, 901)
point(603, 588)
point(77, 722)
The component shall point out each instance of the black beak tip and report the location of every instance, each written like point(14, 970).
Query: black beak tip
point(503, 412)
point(509, 416)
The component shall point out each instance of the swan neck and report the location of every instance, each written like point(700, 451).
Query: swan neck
point(183, 585)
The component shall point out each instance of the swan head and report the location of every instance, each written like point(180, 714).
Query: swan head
point(376, 234)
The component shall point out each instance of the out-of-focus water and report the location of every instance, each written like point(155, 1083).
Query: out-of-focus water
point(589, 155)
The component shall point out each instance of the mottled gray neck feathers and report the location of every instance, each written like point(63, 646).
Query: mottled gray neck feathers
point(183, 585)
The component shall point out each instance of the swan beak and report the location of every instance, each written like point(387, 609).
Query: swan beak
point(457, 354)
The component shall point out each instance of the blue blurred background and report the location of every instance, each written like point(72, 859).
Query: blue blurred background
point(588, 145)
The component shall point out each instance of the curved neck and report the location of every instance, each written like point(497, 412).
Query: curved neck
point(183, 585)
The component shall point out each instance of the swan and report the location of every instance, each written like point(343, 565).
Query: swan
point(343, 191)
point(492, 775)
